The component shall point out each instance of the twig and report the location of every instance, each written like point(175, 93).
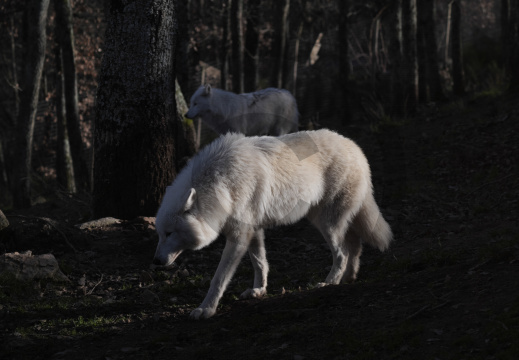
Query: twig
point(418, 312)
point(99, 282)
point(488, 183)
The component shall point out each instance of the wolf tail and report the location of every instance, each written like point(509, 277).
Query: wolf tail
point(371, 226)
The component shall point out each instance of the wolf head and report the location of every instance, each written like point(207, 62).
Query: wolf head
point(180, 227)
point(199, 103)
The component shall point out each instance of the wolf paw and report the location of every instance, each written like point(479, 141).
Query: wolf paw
point(321, 284)
point(256, 293)
point(202, 313)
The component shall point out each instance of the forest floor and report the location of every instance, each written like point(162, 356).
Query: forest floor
point(448, 288)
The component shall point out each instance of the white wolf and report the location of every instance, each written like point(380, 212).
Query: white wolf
point(239, 185)
point(265, 112)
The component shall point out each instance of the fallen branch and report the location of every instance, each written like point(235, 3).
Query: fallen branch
point(99, 282)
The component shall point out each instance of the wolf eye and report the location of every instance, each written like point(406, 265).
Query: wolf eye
point(167, 234)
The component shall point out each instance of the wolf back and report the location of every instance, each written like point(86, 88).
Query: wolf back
point(266, 112)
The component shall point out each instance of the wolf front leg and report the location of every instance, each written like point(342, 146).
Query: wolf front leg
point(232, 254)
point(258, 258)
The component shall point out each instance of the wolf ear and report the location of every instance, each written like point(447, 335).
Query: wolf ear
point(190, 200)
point(207, 89)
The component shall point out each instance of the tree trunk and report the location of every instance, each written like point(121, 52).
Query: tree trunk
point(182, 57)
point(280, 40)
point(505, 31)
point(66, 41)
point(237, 46)
point(14, 69)
point(35, 55)
point(513, 50)
point(423, 80)
point(226, 25)
point(135, 110)
point(396, 55)
point(250, 61)
point(64, 162)
point(431, 51)
point(457, 53)
point(343, 58)
point(409, 17)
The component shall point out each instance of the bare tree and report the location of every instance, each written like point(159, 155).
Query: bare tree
point(431, 50)
point(343, 56)
point(250, 61)
point(66, 41)
point(396, 55)
point(237, 46)
point(513, 45)
point(280, 40)
point(224, 53)
point(457, 52)
point(135, 110)
point(33, 66)
point(505, 30)
point(64, 162)
point(409, 16)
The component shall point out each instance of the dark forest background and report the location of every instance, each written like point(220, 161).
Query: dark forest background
point(372, 62)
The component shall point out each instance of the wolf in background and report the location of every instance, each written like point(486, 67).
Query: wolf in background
point(266, 112)
point(240, 185)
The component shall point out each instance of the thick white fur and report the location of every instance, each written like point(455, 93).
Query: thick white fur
point(239, 185)
point(266, 112)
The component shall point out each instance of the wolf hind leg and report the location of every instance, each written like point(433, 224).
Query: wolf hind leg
point(258, 258)
point(334, 239)
point(353, 248)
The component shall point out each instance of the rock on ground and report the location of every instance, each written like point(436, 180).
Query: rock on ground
point(25, 266)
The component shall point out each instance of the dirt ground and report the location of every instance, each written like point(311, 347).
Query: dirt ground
point(448, 288)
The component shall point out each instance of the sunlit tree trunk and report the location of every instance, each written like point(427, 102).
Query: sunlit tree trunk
point(64, 162)
point(33, 66)
point(135, 110)
point(66, 40)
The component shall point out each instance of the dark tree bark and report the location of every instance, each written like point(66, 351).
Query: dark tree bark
point(14, 69)
point(224, 59)
point(396, 55)
point(457, 52)
point(409, 18)
point(513, 46)
point(135, 109)
point(66, 41)
point(35, 55)
point(64, 162)
point(250, 61)
point(343, 57)
point(279, 43)
point(505, 31)
point(431, 51)
point(237, 46)
point(183, 60)
point(423, 86)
